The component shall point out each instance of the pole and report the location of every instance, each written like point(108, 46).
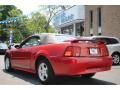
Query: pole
point(10, 38)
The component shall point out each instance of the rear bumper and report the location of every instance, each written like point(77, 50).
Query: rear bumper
point(82, 65)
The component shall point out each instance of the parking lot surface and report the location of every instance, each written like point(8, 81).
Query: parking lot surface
point(16, 77)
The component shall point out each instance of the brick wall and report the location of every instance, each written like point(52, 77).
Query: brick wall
point(110, 15)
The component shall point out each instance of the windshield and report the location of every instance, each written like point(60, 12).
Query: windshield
point(62, 38)
point(3, 46)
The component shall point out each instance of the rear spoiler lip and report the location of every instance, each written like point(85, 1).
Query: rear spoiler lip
point(77, 40)
point(93, 41)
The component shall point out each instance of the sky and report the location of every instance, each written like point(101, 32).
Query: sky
point(28, 6)
point(27, 9)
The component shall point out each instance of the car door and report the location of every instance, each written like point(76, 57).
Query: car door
point(21, 57)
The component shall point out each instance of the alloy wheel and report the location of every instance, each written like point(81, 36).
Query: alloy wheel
point(7, 63)
point(116, 59)
point(43, 72)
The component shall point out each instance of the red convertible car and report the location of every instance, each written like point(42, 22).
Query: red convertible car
point(49, 55)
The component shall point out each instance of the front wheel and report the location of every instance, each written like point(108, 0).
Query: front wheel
point(88, 75)
point(45, 72)
point(7, 64)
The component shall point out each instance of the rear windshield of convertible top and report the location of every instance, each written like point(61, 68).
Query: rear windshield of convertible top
point(62, 38)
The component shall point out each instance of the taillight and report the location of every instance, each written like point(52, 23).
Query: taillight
point(105, 51)
point(103, 48)
point(72, 51)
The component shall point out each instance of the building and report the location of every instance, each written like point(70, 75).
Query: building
point(70, 21)
point(102, 20)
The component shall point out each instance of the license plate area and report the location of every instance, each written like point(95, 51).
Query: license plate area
point(93, 51)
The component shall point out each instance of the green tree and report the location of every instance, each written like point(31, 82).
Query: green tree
point(22, 27)
point(18, 26)
point(36, 23)
point(20, 30)
point(51, 11)
point(6, 12)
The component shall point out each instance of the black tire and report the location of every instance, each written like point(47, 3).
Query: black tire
point(116, 59)
point(45, 72)
point(88, 75)
point(7, 64)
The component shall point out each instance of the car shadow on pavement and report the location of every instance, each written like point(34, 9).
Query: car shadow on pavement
point(27, 77)
point(32, 78)
point(82, 81)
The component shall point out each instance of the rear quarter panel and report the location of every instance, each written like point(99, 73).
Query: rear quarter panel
point(50, 51)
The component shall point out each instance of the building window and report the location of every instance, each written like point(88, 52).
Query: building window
point(79, 29)
point(99, 17)
point(91, 19)
point(91, 23)
point(67, 30)
point(99, 21)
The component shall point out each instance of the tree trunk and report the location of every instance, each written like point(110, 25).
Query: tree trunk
point(46, 27)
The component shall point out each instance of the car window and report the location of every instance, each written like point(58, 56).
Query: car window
point(104, 39)
point(33, 41)
point(3, 46)
point(108, 40)
point(113, 41)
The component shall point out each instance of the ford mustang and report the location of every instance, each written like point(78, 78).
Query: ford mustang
point(50, 55)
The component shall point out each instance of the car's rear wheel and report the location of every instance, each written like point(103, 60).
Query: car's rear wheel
point(45, 72)
point(116, 58)
point(88, 75)
point(7, 64)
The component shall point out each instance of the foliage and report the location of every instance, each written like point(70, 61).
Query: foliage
point(6, 12)
point(22, 27)
point(18, 27)
point(20, 31)
point(51, 11)
point(36, 23)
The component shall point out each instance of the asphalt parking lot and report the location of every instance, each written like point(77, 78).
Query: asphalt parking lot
point(22, 78)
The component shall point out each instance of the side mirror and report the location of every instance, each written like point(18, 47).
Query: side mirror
point(17, 46)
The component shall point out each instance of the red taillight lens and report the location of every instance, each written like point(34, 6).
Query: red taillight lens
point(72, 51)
point(104, 51)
